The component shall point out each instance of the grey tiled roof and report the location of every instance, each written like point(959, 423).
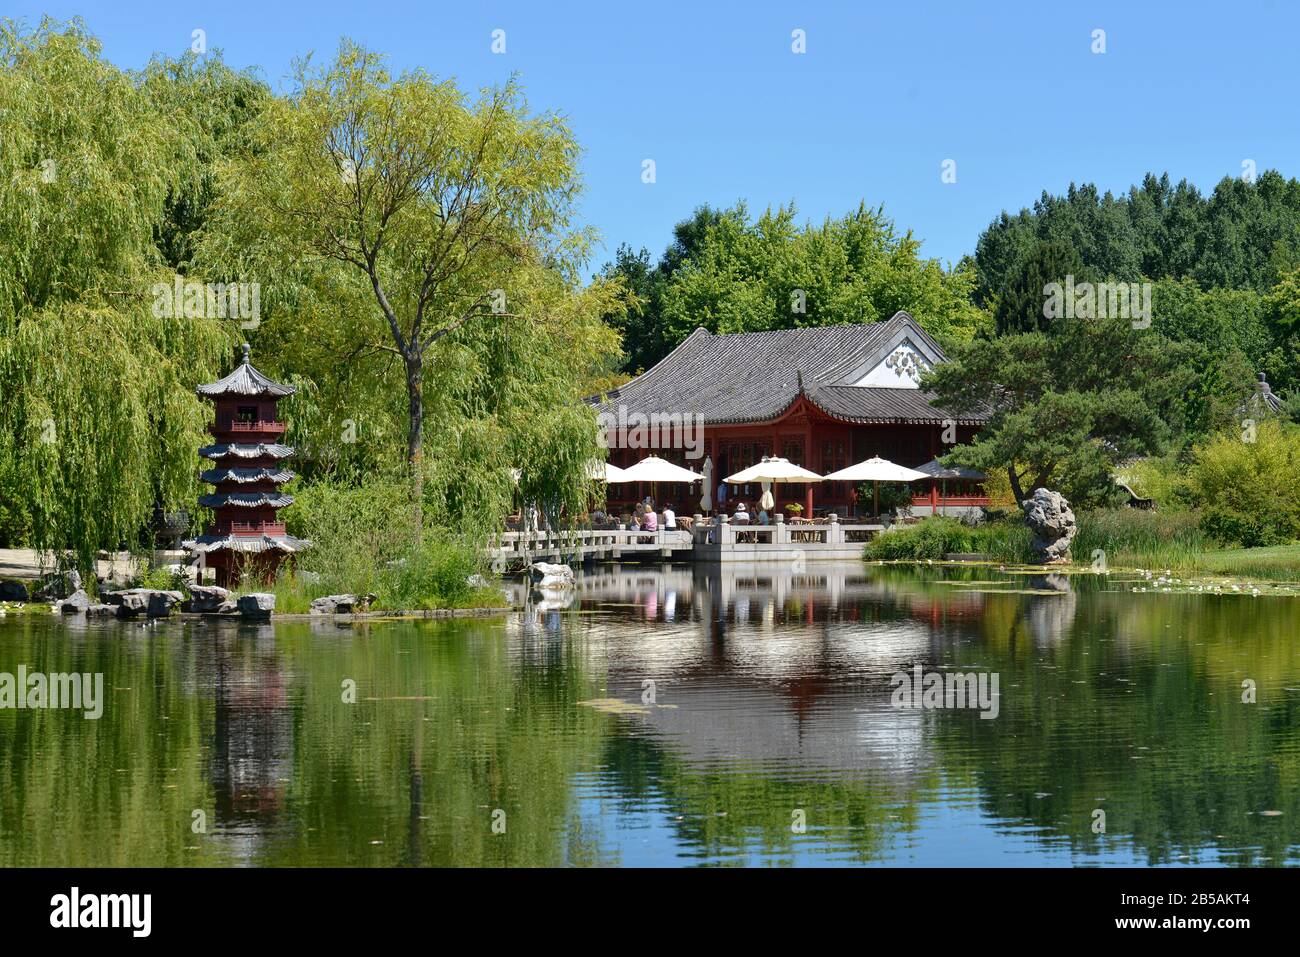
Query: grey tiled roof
point(245, 380)
point(246, 450)
point(245, 476)
point(246, 499)
point(755, 376)
point(246, 543)
point(856, 403)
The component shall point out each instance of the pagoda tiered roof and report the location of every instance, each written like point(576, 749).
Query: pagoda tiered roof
point(245, 380)
point(246, 450)
point(249, 544)
point(246, 500)
point(245, 476)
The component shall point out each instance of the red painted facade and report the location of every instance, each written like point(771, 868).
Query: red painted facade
point(807, 436)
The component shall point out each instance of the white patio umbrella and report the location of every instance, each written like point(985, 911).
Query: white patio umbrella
point(876, 470)
point(773, 469)
point(654, 469)
point(706, 500)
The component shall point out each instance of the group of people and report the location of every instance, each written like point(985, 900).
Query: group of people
point(643, 518)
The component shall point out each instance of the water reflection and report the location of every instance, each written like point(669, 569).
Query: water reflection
point(676, 715)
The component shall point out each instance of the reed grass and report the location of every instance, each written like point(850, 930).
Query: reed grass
point(1122, 538)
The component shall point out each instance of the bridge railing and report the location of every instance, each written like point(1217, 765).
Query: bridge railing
point(513, 546)
point(524, 544)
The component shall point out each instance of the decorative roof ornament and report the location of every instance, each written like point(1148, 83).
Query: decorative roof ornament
point(906, 362)
point(1263, 401)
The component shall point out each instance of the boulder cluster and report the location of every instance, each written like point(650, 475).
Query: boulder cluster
point(67, 596)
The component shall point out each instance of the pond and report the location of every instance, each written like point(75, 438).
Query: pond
point(677, 716)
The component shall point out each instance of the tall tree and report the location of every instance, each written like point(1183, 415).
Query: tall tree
point(431, 200)
point(1021, 301)
point(730, 272)
point(99, 419)
point(1243, 235)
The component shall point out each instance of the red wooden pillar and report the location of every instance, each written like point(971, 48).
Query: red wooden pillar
point(807, 463)
point(934, 485)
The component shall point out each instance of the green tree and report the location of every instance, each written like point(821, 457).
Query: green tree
point(645, 337)
point(430, 202)
point(1242, 236)
point(729, 272)
point(98, 420)
point(1020, 302)
point(1066, 405)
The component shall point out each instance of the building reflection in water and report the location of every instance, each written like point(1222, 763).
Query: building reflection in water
point(250, 758)
point(773, 665)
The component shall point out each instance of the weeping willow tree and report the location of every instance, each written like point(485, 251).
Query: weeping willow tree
point(98, 419)
point(426, 281)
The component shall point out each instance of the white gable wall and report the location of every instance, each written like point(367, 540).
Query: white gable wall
point(901, 368)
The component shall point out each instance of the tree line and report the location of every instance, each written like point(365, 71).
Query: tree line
point(419, 259)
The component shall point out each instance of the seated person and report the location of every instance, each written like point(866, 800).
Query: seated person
point(763, 517)
point(670, 517)
point(742, 515)
point(651, 521)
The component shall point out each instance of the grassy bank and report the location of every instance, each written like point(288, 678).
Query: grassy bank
point(440, 572)
point(1122, 538)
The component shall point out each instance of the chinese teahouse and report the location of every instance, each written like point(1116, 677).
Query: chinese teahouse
point(822, 397)
point(247, 539)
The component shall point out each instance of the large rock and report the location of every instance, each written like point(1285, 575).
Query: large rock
point(101, 611)
point(341, 604)
point(258, 605)
point(76, 603)
point(58, 586)
point(152, 602)
point(207, 599)
point(1051, 521)
point(13, 591)
point(550, 577)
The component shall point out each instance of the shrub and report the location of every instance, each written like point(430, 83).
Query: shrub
point(1249, 491)
point(438, 573)
point(363, 542)
point(1163, 479)
point(940, 535)
point(355, 530)
point(159, 577)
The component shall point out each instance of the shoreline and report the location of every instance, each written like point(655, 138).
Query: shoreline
point(1172, 581)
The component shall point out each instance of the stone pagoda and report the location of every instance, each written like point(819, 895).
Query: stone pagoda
point(247, 538)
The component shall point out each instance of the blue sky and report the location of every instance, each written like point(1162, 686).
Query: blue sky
point(712, 92)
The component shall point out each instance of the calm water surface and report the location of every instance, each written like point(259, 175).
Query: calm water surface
point(772, 704)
